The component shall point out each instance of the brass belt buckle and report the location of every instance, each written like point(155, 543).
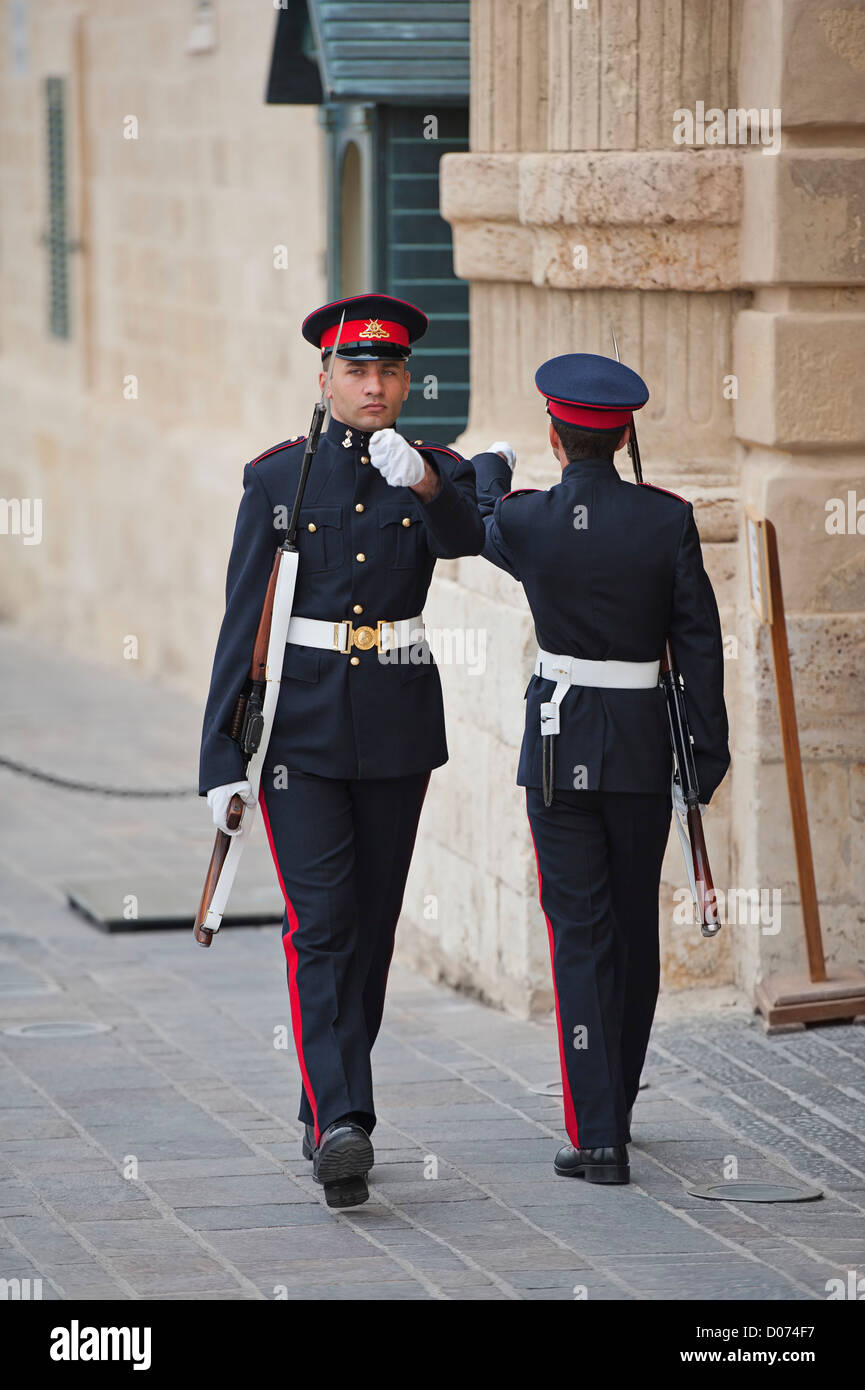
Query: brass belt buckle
point(391, 636)
point(364, 637)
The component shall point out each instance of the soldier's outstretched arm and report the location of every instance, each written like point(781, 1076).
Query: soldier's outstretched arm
point(698, 650)
point(453, 526)
point(493, 481)
point(249, 566)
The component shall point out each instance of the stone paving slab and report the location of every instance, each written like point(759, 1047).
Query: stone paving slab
point(160, 1159)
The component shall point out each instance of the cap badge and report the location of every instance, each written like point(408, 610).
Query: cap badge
point(373, 329)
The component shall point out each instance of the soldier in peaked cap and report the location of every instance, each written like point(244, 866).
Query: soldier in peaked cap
point(610, 570)
point(358, 727)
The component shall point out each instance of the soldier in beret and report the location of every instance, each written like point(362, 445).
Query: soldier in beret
point(359, 723)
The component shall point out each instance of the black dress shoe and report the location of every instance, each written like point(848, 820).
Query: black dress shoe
point(307, 1147)
point(341, 1162)
point(609, 1164)
point(307, 1144)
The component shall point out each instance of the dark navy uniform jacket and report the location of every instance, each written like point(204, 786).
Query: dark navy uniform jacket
point(611, 589)
point(376, 719)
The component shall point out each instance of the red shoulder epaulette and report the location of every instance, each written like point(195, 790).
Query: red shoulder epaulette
point(284, 445)
point(655, 488)
point(518, 491)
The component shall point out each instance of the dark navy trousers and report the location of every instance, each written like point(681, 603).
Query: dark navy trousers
point(342, 851)
point(599, 860)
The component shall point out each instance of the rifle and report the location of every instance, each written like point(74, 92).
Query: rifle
point(255, 709)
point(699, 871)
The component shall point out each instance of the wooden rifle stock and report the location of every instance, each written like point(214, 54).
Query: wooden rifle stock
point(222, 843)
point(710, 921)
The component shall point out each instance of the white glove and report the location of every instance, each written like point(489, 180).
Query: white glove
point(218, 799)
point(502, 447)
point(397, 462)
point(679, 801)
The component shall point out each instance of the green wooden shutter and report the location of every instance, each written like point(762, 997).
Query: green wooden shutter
point(415, 257)
point(55, 238)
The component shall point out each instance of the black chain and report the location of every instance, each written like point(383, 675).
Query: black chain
point(71, 785)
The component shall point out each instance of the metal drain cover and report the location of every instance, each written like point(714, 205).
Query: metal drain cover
point(755, 1192)
point(554, 1088)
point(547, 1088)
point(59, 1028)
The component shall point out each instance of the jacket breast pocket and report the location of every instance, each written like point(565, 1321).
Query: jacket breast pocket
point(320, 539)
point(401, 537)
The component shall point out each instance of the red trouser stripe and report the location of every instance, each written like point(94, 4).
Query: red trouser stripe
point(570, 1115)
point(291, 959)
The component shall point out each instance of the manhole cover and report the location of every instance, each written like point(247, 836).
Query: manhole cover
point(547, 1088)
point(554, 1088)
point(61, 1028)
point(755, 1192)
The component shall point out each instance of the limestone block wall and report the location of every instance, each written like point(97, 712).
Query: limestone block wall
point(185, 357)
point(800, 420)
point(733, 277)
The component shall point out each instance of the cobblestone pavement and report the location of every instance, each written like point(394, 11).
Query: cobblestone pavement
point(159, 1157)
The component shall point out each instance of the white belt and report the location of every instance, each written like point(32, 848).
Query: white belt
point(340, 637)
point(575, 670)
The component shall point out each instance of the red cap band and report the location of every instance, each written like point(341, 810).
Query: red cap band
point(366, 330)
point(591, 417)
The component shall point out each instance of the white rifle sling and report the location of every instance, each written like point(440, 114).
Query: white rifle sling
point(681, 820)
point(283, 599)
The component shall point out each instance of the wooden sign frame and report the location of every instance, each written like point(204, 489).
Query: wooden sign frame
point(794, 999)
point(759, 587)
